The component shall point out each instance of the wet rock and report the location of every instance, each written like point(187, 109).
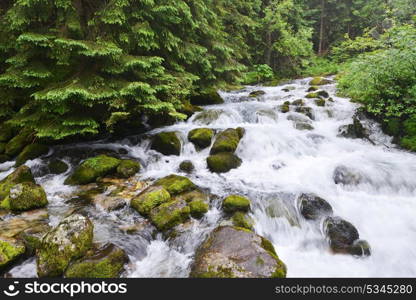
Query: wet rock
point(270, 114)
point(355, 130)
point(170, 214)
point(32, 237)
point(307, 111)
point(242, 220)
point(346, 176)
point(175, 184)
point(298, 102)
point(285, 108)
point(257, 94)
point(16, 144)
point(150, 199)
point(186, 166)
point(166, 143)
point(20, 175)
point(106, 262)
point(312, 95)
point(30, 152)
point(25, 196)
point(313, 207)
point(128, 168)
point(208, 116)
point(226, 141)
point(11, 250)
point(323, 94)
point(189, 109)
point(341, 234)
point(235, 203)
point(201, 137)
point(360, 248)
point(193, 195)
point(319, 81)
point(210, 97)
point(320, 102)
point(312, 89)
point(303, 126)
point(223, 162)
point(70, 240)
point(13, 226)
point(57, 167)
point(288, 89)
point(93, 168)
point(198, 208)
point(231, 252)
point(109, 203)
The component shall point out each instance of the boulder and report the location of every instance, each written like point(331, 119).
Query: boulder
point(346, 176)
point(198, 208)
point(307, 111)
point(207, 117)
point(285, 107)
point(319, 81)
point(341, 234)
point(323, 94)
point(168, 215)
point(223, 162)
point(150, 199)
point(4, 158)
point(175, 184)
point(128, 168)
point(355, 130)
point(235, 203)
point(312, 89)
point(188, 109)
point(93, 168)
point(360, 248)
point(20, 175)
point(312, 95)
point(226, 141)
point(32, 237)
point(20, 141)
point(320, 102)
point(70, 240)
point(25, 196)
point(30, 152)
point(242, 220)
point(11, 250)
point(186, 166)
point(298, 102)
point(313, 207)
point(166, 143)
point(209, 97)
point(201, 137)
point(106, 262)
point(232, 252)
point(257, 94)
point(303, 126)
point(57, 167)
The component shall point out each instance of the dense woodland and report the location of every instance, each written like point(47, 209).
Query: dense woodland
point(79, 68)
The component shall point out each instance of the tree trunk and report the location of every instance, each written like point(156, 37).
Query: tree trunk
point(321, 33)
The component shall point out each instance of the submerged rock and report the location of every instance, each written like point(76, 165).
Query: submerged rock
point(10, 251)
point(232, 252)
point(226, 141)
point(30, 152)
point(223, 162)
point(312, 89)
point(106, 262)
point(25, 196)
point(298, 102)
point(128, 168)
point(235, 203)
point(70, 240)
point(207, 117)
point(58, 167)
point(201, 137)
point(313, 207)
point(320, 102)
point(166, 143)
point(210, 97)
point(303, 126)
point(346, 176)
point(257, 94)
point(186, 166)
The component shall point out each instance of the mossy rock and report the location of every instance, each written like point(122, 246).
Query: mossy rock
point(20, 175)
point(6, 133)
point(323, 94)
point(360, 248)
point(235, 252)
point(319, 81)
point(242, 220)
point(4, 158)
point(170, 214)
point(201, 137)
point(210, 97)
point(106, 262)
point(186, 166)
point(303, 126)
point(150, 199)
point(320, 102)
point(223, 162)
point(312, 89)
point(188, 109)
point(298, 102)
point(307, 111)
point(235, 203)
point(2, 148)
point(226, 141)
point(25, 196)
point(356, 130)
point(128, 168)
point(257, 94)
point(57, 167)
point(93, 168)
point(312, 95)
point(30, 152)
point(175, 184)
point(19, 142)
point(194, 195)
point(285, 108)
point(166, 143)
point(11, 250)
point(341, 234)
point(313, 207)
point(198, 208)
point(70, 240)
point(32, 237)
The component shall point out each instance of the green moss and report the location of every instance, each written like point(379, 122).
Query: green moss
point(281, 269)
point(319, 81)
point(10, 251)
point(30, 152)
point(241, 219)
point(268, 246)
point(16, 144)
point(323, 94)
point(298, 102)
point(257, 94)
point(393, 127)
point(198, 208)
point(4, 158)
point(312, 89)
point(409, 127)
point(188, 109)
point(20, 175)
point(168, 215)
point(201, 137)
point(175, 184)
point(2, 148)
point(226, 141)
point(320, 102)
point(150, 199)
point(285, 108)
point(166, 143)
point(128, 168)
point(25, 196)
point(235, 203)
point(93, 168)
point(408, 143)
point(223, 162)
point(209, 97)
point(6, 133)
point(57, 167)
point(312, 95)
point(186, 166)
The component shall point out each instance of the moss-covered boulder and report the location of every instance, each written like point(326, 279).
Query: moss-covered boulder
point(25, 196)
point(186, 166)
point(226, 141)
point(198, 208)
point(323, 94)
point(209, 97)
point(19, 142)
point(241, 219)
point(150, 199)
point(128, 168)
point(168, 215)
point(57, 167)
point(298, 102)
point(30, 152)
point(32, 236)
point(93, 168)
point(70, 240)
point(223, 162)
point(320, 102)
point(312, 89)
point(312, 95)
point(232, 252)
point(166, 143)
point(10, 251)
point(20, 175)
point(285, 107)
point(189, 109)
point(201, 137)
point(235, 203)
point(106, 262)
point(208, 116)
point(6, 133)
point(175, 184)
point(257, 94)
point(313, 207)
point(319, 81)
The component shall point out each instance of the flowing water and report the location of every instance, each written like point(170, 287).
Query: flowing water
point(279, 163)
